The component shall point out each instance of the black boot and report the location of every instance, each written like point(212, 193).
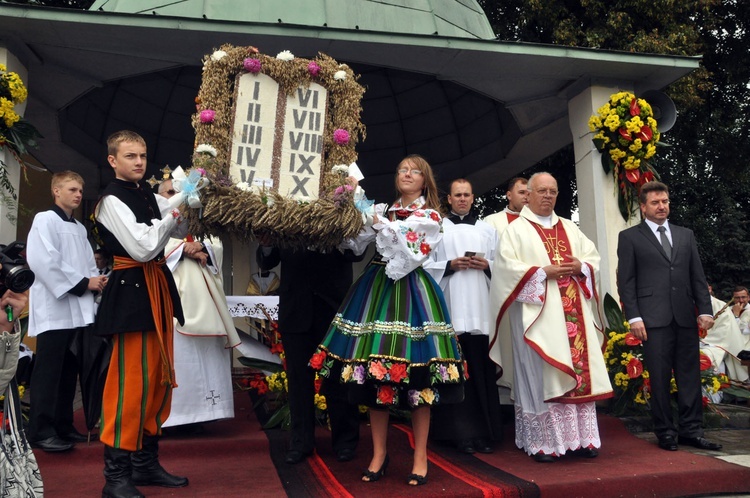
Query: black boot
point(117, 473)
point(146, 468)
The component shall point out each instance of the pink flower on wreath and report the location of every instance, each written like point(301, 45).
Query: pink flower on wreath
point(207, 116)
point(341, 136)
point(313, 68)
point(411, 236)
point(572, 329)
point(252, 65)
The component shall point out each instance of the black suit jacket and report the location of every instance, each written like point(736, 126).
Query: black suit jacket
point(312, 284)
point(656, 288)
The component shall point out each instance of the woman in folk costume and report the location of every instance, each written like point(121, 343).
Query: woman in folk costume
point(392, 342)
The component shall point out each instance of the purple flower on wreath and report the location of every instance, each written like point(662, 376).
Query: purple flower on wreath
point(207, 116)
point(313, 68)
point(413, 397)
point(341, 136)
point(251, 65)
point(359, 374)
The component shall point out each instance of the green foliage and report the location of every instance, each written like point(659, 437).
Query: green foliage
point(708, 167)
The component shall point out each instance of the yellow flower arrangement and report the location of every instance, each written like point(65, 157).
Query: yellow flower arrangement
point(626, 134)
point(623, 357)
point(16, 134)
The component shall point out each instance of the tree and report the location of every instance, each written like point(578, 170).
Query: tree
point(708, 165)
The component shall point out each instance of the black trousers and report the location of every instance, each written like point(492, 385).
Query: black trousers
point(668, 349)
point(479, 415)
point(53, 384)
point(344, 416)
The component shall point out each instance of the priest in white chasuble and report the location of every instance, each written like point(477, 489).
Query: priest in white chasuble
point(461, 263)
point(548, 337)
point(203, 345)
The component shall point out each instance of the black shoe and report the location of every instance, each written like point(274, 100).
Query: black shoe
point(482, 446)
point(52, 444)
point(76, 437)
point(466, 446)
point(586, 452)
point(668, 443)
point(416, 479)
point(542, 458)
point(294, 456)
point(375, 476)
point(345, 455)
point(700, 442)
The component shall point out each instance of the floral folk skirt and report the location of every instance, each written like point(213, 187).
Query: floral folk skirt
point(392, 343)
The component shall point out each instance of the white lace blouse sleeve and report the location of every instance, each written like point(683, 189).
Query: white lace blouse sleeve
point(405, 245)
point(358, 245)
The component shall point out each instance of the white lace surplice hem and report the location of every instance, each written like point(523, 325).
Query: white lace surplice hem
point(562, 427)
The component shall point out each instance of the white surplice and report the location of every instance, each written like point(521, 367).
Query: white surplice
point(202, 347)
point(723, 342)
point(60, 255)
point(466, 291)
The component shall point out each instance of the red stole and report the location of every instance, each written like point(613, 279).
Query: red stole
point(557, 245)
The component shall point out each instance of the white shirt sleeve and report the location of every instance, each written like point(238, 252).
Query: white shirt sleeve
point(142, 242)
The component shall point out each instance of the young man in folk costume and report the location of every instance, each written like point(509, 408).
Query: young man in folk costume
point(136, 310)
point(547, 341)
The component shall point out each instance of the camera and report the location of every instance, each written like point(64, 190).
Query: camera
point(14, 271)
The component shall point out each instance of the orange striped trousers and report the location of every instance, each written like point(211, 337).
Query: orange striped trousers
point(136, 401)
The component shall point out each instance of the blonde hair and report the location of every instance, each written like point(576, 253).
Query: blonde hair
point(63, 176)
point(118, 137)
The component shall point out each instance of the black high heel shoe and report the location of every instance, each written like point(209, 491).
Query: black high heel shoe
point(416, 479)
point(375, 476)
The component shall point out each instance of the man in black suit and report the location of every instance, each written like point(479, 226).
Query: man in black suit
point(313, 284)
point(662, 285)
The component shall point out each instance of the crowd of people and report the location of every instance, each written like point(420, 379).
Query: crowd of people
point(452, 314)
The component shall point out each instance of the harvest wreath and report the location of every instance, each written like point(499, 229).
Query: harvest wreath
point(300, 144)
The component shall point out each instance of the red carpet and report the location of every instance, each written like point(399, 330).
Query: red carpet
point(235, 458)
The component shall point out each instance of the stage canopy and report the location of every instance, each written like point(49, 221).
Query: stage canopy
point(437, 81)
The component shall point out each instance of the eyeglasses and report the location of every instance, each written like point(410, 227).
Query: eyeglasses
point(414, 172)
point(546, 191)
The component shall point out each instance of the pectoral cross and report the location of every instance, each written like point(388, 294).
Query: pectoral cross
point(557, 259)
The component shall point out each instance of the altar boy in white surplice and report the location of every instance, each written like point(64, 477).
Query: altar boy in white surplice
point(548, 341)
point(461, 263)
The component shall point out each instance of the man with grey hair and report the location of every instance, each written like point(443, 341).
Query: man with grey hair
point(546, 341)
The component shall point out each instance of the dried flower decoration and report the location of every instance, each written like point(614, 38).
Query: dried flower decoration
point(341, 137)
point(246, 209)
point(285, 55)
point(252, 65)
point(206, 149)
point(218, 55)
point(313, 68)
point(208, 116)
